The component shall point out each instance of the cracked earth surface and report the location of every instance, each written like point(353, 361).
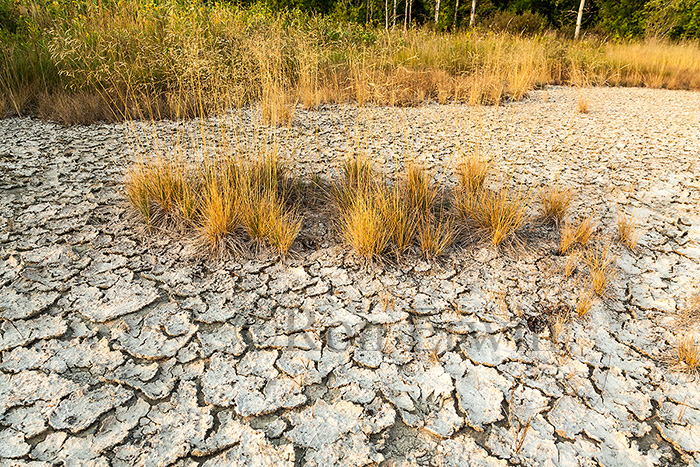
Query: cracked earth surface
point(118, 349)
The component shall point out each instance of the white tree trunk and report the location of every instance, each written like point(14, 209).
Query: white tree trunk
point(473, 14)
point(437, 11)
point(456, 9)
point(393, 21)
point(405, 15)
point(578, 20)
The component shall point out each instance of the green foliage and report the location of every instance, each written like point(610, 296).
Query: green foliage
point(624, 20)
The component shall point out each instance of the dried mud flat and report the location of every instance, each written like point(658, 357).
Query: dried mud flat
point(117, 349)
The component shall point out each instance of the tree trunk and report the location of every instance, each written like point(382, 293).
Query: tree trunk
point(437, 12)
point(393, 21)
point(410, 11)
point(456, 9)
point(405, 15)
point(386, 14)
point(578, 20)
point(473, 15)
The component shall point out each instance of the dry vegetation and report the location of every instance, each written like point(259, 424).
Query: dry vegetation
point(171, 59)
point(575, 233)
point(221, 203)
point(627, 229)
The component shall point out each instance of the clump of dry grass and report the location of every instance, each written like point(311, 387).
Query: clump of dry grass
point(690, 315)
point(627, 230)
point(376, 217)
point(688, 353)
point(363, 223)
point(435, 236)
point(571, 263)
point(216, 200)
point(582, 104)
point(472, 171)
point(219, 214)
point(266, 218)
point(163, 191)
point(419, 192)
point(555, 203)
point(401, 222)
point(499, 214)
point(584, 303)
point(573, 234)
point(599, 261)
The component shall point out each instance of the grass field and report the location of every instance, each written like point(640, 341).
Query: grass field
point(79, 62)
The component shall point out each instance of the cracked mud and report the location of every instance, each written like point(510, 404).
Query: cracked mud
point(120, 349)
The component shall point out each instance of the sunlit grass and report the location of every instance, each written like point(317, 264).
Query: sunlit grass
point(167, 60)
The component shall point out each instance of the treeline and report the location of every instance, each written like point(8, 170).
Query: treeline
point(616, 19)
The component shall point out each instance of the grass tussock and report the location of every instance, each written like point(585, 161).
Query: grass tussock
point(171, 59)
point(220, 202)
point(363, 224)
point(376, 218)
point(435, 236)
point(555, 203)
point(575, 234)
point(499, 214)
point(584, 303)
point(627, 230)
point(472, 171)
point(599, 262)
point(418, 190)
point(688, 353)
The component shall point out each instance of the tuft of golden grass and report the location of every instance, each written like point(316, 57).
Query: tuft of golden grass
point(571, 263)
point(358, 171)
point(219, 214)
point(688, 353)
point(265, 218)
point(163, 191)
point(575, 234)
point(584, 303)
point(472, 171)
point(419, 192)
point(363, 224)
point(599, 261)
point(555, 202)
point(137, 192)
point(500, 214)
point(690, 315)
point(435, 236)
point(216, 199)
point(400, 221)
point(627, 230)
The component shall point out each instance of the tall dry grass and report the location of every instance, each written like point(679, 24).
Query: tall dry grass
point(126, 59)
